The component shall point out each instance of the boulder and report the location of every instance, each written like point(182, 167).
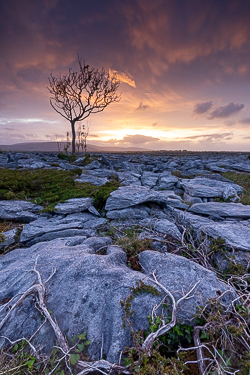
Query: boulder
point(136, 212)
point(149, 179)
point(93, 165)
point(19, 210)
point(85, 291)
point(167, 180)
point(128, 196)
point(84, 294)
point(205, 188)
point(163, 226)
point(73, 205)
point(8, 238)
point(179, 275)
point(129, 178)
point(227, 210)
point(236, 234)
point(189, 199)
point(43, 229)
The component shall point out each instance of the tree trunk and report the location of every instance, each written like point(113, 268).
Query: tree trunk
point(73, 136)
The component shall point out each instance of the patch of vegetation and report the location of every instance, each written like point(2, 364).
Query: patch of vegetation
point(133, 246)
point(19, 359)
point(163, 359)
point(48, 187)
point(242, 179)
point(70, 158)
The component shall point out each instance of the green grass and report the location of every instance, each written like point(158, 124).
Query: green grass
point(242, 179)
point(49, 186)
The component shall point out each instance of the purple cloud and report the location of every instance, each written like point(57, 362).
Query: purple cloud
point(245, 121)
point(226, 110)
point(201, 108)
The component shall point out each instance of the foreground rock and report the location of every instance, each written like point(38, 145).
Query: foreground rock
point(129, 196)
point(8, 238)
point(86, 289)
point(236, 234)
point(73, 205)
point(225, 210)
point(46, 229)
point(209, 188)
point(19, 210)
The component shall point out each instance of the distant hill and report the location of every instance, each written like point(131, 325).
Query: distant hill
point(52, 146)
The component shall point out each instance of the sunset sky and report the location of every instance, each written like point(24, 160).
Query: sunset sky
point(184, 67)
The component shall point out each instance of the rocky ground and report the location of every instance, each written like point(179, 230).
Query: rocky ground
point(168, 200)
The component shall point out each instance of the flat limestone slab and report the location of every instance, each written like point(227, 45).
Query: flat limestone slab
point(235, 233)
point(19, 210)
point(128, 196)
point(233, 210)
point(208, 188)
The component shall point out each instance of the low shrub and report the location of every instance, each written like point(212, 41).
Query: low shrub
point(48, 187)
point(242, 179)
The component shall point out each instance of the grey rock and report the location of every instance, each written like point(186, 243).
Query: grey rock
point(129, 179)
point(93, 211)
point(187, 198)
point(163, 226)
point(97, 283)
point(227, 210)
point(73, 205)
point(44, 229)
point(8, 238)
point(136, 212)
point(149, 179)
point(229, 193)
point(19, 210)
point(93, 165)
point(235, 234)
point(128, 196)
point(179, 274)
point(242, 167)
point(216, 168)
point(206, 188)
point(167, 180)
point(80, 160)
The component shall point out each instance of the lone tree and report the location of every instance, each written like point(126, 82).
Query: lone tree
point(79, 93)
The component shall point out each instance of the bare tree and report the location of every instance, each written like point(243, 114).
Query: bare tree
point(79, 93)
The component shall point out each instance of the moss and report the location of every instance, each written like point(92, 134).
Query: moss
point(67, 157)
point(133, 246)
point(48, 187)
point(242, 179)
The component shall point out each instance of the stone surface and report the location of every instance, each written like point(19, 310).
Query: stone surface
point(167, 180)
point(227, 210)
point(236, 234)
point(93, 165)
point(97, 284)
point(149, 179)
point(138, 213)
point(19, 210)
point(189, 199)
point(179, 274)
point(206, 188)
point(132, 195)
point(44, 229)
point(8, 238)
point(162, 226)
point(73, 205)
